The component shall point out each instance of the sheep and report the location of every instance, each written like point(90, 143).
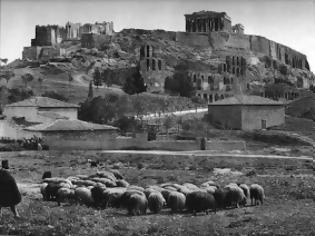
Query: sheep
point(257, 194)
point(134, 187)
point(126, 195)
point(166, 193)
point(176, 201)
point(84, 195)
point(220, 197)
point(43, 191)
point(235, 196)
point(47, 174)
point(200, 201)
point(64, 194)
point(10, 195)
point(209, 189)
point(209, 183)
point(137, 204)
point(122, 183)
point(156, 202)
point(107, 182)
point(245, 189)
point(51, 191)
point(191, 186)
point(117, 174)
point(104, 174)
point(100, 199)
point(114, 196)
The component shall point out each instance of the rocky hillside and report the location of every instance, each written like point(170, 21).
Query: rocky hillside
point(121, 53)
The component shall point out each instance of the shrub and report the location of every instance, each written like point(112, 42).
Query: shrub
point(55, 95)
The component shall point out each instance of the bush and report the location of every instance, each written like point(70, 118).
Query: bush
point(16, 95)
point(283, 69)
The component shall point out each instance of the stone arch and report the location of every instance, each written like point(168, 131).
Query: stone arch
point(148, 64)
point(194, 78)
point(148, 51)
point(199, 84)
point(222, 96)
point(142, 53)
point(153, 64)
point(160, 64)
point(216, 97)
point(226, 80)
point(210, 98)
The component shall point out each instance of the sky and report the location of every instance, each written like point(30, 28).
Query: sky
point(290, 22)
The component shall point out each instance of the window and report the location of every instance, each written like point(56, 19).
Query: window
point(148, 50)
point(195, 78)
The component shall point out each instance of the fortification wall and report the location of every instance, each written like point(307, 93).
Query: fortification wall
point(193, 39)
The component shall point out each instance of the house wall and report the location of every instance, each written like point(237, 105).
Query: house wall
point(80, 139)
point(252, 116)
point(225, 116)
point(9, 130)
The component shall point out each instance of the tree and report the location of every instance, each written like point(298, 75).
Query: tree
point(107, 77)
point(127, 124)
point(139, 105)
point(7, 75)
point(16, 95)
point(4, 60)
point(90, 94)
point(97, 78)
point(180, 83)
point(26, 78)
point(168, 123)
point(134, 84)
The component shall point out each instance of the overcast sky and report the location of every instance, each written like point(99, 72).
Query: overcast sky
point(290, 22)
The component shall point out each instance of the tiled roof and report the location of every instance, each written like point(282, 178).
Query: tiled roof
point(246, 100)
point(42, 102)
point(70, 125)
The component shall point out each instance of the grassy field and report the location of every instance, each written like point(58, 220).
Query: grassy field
point(288, 209)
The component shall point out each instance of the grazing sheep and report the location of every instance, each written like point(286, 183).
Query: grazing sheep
point(209, 189)
point(107, 182)
point(10, 195)
point(134, 187)
point(176, 201)
point(104, 174)
point(166, 193)
point(200, 201)
point(156, 202)
point(84, 196)
point(257, 194)
point(114, 196)
point(122, 183)
point(52, 190)
point(64, 194)
point(184, 190)
point(191, 186)
point(100, 199)
point(245, 189)
point(220, 197)
point(126, 195)
point(47, 174)
point(209, 183)
point(117, 174)
point(137, 204)
point(235, 196)
point(43, 191)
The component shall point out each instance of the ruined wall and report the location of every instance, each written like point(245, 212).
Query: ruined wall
point(94, 40)
point(31, 53)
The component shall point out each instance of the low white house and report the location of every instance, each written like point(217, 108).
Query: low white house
point(41, 109)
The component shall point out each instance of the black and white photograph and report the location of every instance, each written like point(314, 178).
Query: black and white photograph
point(147, 117)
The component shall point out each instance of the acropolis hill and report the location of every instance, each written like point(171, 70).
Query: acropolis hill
point(218, 56)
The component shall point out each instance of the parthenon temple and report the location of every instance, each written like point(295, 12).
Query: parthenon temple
point(207, 21)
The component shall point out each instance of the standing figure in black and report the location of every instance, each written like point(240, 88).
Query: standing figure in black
point(10, 195)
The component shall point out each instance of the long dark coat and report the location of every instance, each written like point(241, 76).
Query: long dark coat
point(9, 192)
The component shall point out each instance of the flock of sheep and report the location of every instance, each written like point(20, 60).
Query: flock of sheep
point(109, 189)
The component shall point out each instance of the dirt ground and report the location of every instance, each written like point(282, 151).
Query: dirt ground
point(288, 209)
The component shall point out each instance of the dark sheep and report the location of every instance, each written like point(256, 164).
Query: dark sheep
point(257, 194)
point(220, 197)
point(156, 202)
point(93, 163)
point(137, 204)
point(52, 191)
point(5, 164)
point(124, 200)
point(176, 201)
point(198, 201)
point(100, 199)
point(10, 195)
point(47, 174)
